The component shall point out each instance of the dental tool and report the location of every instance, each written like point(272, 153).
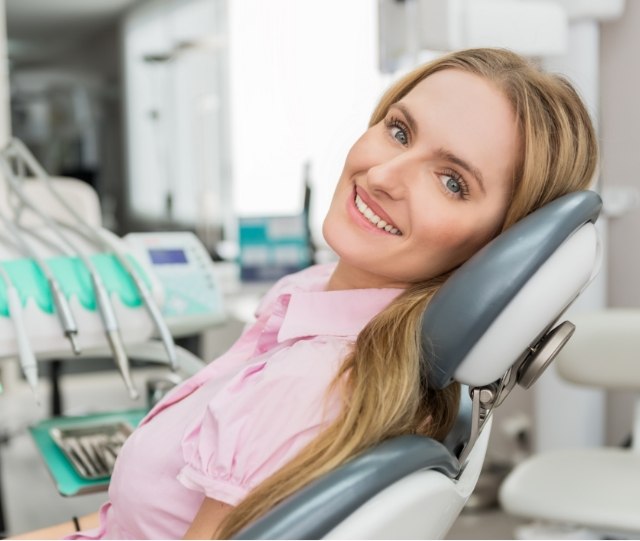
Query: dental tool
point(63, 309)
point(102, 238)
point(28, 361)
point(145, 293)
point(103, 303)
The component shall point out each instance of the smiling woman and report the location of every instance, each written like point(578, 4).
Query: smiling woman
point(456, 152)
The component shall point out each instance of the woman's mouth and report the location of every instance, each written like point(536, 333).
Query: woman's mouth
point(372, 217)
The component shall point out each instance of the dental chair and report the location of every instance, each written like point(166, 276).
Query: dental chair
point(593, 490)
point(492, 325)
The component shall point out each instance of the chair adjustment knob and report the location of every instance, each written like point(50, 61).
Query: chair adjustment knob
point(543, 353)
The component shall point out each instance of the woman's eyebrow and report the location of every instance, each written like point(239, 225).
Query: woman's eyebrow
point(447, 155)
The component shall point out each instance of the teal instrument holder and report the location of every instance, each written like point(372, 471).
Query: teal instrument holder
point(67, 480)
point(74, 280)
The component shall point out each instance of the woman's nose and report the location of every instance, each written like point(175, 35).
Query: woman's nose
point(392, 176)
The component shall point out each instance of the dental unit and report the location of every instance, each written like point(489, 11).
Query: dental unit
point(105, 241)
point(78, 250)
point(102, 298)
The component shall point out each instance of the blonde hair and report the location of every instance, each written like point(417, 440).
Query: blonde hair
point(382, 380)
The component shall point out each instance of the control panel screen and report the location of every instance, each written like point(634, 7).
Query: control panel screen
point(167, 256)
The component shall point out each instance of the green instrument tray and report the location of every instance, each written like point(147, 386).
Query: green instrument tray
point(67, 480)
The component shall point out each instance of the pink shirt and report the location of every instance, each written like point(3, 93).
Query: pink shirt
point(241, 418)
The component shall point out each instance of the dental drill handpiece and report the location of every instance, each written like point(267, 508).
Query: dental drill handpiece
point(113, 334)
point(148, 300)
point(28, 361)
point(107, 314)
point(100, 236)
point(63, 310)
point(104, 238)
point(109, 321)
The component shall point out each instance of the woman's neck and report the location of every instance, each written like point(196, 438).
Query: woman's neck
point(346, 276)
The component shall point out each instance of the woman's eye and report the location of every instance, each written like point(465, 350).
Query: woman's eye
point(399, 135)
point(398, 130)
point(454, 184)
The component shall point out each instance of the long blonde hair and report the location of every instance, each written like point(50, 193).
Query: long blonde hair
point(382, 381)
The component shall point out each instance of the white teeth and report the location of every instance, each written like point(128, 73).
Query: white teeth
point(374, 218)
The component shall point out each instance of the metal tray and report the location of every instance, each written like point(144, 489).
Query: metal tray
point(92, 449)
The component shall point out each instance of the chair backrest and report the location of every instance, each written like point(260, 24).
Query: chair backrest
point(484, 328)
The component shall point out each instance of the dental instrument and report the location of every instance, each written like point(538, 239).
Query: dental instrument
point(63, 310)
point(28, 362)
point(106, 240)
point(103, 239)
point(103, 303)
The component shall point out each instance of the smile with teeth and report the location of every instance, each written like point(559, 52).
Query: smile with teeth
point(374, 218)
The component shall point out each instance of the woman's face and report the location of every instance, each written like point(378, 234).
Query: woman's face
point(426, 187)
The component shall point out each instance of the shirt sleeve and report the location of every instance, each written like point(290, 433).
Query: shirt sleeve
point(261, 419)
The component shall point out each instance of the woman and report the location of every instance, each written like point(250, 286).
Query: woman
point(456, 152)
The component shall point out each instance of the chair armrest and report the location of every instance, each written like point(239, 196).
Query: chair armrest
point(319, 507)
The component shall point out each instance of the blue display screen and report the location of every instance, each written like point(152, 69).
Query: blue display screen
point(167, 256)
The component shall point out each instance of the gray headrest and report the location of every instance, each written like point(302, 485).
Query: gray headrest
point(472, 298)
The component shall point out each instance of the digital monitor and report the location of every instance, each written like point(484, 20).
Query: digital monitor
point(167, 256)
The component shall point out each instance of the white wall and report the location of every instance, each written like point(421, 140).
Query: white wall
point(176, 110)
point(304, 81)
point(620, 145)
